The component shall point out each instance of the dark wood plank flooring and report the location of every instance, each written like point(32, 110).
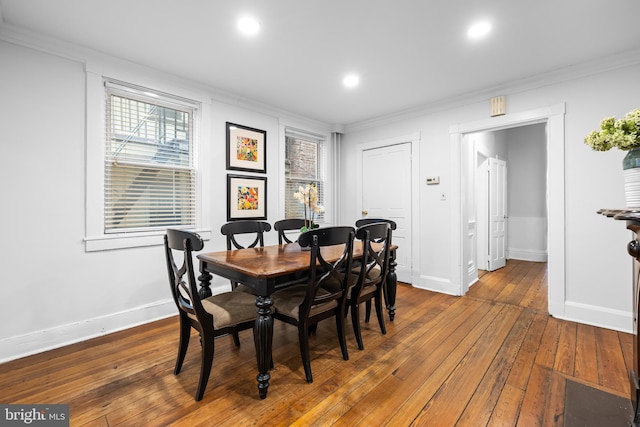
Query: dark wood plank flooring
point(491, 358)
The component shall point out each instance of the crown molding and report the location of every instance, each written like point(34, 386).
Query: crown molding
point(93, 61)
point(86, 56)
point(576, 71)
point(31, 40)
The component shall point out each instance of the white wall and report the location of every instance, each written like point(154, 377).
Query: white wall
point(54, 292)
point(527, 192)
point(491, 144)
point(597, 283)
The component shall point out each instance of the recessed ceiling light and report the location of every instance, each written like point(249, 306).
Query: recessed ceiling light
point(351, 80)
point(248, 26)
point(479, 30)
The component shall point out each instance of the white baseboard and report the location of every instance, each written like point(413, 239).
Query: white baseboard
point(528, 255)
point(47, 339)
point(438, 284)
point(36, 342)
point(616, 320)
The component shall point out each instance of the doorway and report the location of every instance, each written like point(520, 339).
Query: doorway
point(553, 116)
point(511, 218)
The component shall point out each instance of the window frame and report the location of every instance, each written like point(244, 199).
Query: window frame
point(330, 167)
point(95, 237)
point(128, 160)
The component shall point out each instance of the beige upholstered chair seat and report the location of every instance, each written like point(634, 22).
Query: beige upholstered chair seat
point(374, 273)
point(287, 301)
point(366, 290)
point(230, 308)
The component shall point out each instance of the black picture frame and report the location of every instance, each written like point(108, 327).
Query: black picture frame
point(246, 148)
point(246, 197)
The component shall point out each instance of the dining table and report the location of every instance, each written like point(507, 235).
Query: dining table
point(265, 269)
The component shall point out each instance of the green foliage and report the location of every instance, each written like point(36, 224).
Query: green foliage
point(623, 134)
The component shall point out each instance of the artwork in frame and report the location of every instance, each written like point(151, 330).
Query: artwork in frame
point(246, 197)
point(246, 148)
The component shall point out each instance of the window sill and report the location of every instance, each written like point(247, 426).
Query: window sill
point(130, 240)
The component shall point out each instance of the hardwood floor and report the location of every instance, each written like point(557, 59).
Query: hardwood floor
point(494, 357)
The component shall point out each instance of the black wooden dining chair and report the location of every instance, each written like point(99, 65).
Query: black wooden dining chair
point(212, 317)
point(241, 235)
point(366, 221)
point(324, 294)
point(287, 225)
point(369, 282)
point(253, 230)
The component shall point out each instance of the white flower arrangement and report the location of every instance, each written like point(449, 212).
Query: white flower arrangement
point(309, 197)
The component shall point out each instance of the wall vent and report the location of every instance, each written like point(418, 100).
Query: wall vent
point(498, 106)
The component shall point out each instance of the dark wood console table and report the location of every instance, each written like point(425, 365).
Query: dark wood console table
point(632, 218)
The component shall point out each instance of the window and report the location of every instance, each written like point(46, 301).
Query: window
point(149, 172)
point(305, 163)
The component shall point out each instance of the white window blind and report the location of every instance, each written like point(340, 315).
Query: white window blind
point(305, 163)
point(150, 177)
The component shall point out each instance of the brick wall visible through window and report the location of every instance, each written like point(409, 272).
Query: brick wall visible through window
point(304, 164)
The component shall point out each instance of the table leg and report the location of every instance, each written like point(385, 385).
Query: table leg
point(390, 286)
point(205, 282)
point(263, 336)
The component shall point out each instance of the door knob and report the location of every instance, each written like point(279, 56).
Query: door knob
point(365, 212)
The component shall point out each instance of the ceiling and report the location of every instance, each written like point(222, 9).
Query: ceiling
point(409, 54)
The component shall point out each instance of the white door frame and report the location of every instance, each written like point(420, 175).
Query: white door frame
point(414, 139)
point(553, 116)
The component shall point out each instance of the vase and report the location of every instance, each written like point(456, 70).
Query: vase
point(631, 170)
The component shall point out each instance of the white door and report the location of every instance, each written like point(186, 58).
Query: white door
point(497, 214)
point(482, 213)
point(386, 193)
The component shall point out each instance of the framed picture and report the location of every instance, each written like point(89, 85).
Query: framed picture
point(246, 197)
point(246, 148)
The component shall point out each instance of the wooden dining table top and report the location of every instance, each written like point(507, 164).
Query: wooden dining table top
point(272, 261)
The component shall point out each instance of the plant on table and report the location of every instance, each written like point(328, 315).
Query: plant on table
point(308, 196)
point(623, 134)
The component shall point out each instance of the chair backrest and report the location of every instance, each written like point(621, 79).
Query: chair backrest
point(231, 229)
point(285, 225)
point(185, 294)
point(330, 276)
point(376, 241)
point(366, 221)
